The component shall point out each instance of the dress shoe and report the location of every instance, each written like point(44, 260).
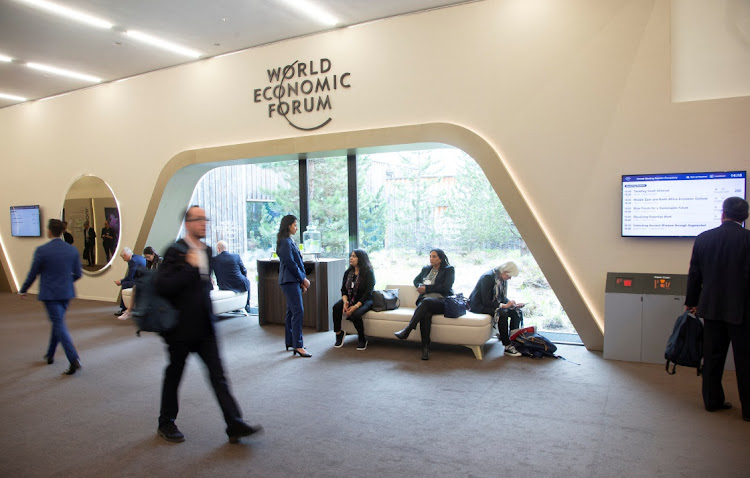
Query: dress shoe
point(49, 360)
point(73, 367)
point(425, 352)
point(723, 406)
point(170, 432)
point(302, 353)
point(242, 430)
point(403, 334)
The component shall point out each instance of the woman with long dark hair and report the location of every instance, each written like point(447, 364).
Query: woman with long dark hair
point(153, 261)
point(356, 297)
point(434, 282)
point(293, 282)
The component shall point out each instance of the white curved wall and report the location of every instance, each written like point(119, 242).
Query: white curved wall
point(570, 95)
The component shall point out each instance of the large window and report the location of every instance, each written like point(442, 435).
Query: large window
point(407, 204)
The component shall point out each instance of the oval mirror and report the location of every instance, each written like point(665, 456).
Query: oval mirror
point(93, 222)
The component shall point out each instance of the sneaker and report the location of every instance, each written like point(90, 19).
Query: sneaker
point(362, 345)
point(340, 339)
point(511, 350)
point(170, 432)
point(242, 429)
point(119, 312)
point(125, 315)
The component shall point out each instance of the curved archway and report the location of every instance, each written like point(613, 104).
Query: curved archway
point(178, 178)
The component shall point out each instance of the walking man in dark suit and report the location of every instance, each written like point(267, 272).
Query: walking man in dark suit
point(67, 237)
point(230, 272)
point(59, 266)
point(184, 278)
point(88, 243)
point(718, 291)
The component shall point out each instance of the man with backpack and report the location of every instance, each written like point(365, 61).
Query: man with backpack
point(718, 290)
point(184, 278)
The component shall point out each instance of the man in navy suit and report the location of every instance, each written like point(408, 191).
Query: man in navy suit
point(134, 262)
point(230, 272)
point(718, 291)
point(59, 266)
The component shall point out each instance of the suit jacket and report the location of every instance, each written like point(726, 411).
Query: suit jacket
point(230, 272)
point(134, 263)
point(719, 275)
point(68, 237)
point(108, 241)
point(443, 282)
point(183, 285)
point(482, 298)
point(88, 236)
point(291, 267)
point(364, 290)
point(59, 265)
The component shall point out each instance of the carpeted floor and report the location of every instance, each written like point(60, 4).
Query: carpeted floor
point(381, 412)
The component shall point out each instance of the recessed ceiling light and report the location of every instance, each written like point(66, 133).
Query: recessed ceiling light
point(62, 72)
point(6, 59)
point(69, 13)
point(6, 96)
point(163, 44)
point(313, 11)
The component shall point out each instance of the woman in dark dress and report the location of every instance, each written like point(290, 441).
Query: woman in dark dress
point(293, 282)
point(434, 282)
point(356, 297)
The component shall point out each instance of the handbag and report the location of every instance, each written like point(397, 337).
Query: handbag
point(386, 299)
point(455, 306)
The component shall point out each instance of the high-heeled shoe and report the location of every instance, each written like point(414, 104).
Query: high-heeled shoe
point(73, 367)
point(288, 347)
point(301, 353)
point(403, 334)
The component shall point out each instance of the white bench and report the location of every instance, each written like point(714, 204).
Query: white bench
point(222, 301)
point(471, 330)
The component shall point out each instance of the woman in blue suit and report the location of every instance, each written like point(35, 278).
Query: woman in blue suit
point(293, 282)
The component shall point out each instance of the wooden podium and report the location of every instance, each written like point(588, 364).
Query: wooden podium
point(325, 276)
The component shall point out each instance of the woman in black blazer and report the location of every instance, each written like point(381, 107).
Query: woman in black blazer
point(433, 283)
point(356, 297)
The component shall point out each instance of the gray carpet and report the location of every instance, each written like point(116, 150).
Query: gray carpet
point(375, 413)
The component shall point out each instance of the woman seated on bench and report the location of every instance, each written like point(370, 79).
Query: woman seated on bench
point(433, 283)
point(490, 297)
point(356, 297)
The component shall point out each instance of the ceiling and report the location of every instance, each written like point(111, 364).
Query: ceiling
point(213, 27)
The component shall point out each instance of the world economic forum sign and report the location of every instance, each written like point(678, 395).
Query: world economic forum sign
point(301, 92)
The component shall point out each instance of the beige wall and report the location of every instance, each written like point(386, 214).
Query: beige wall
point(558, 98)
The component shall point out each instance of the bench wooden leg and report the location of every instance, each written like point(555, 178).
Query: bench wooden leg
point(477, 349)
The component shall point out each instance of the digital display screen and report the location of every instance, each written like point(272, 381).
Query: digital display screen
point(662, 282)
point(676, 205)
point(25, 221)
point(624, 281)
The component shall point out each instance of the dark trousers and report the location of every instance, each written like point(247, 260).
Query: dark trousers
point(423, 316)
point(208, 350)
point(716, 338)
point(108, 251)
point(294, 314)
point(59, 335)
point(88, 252)
point(502, 316)
point(356, 317)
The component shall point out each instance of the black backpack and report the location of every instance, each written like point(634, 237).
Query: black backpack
point(534, 345)
point(151, 312)
point(685, 345)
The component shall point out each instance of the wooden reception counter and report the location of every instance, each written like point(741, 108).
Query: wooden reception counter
point(325, 277)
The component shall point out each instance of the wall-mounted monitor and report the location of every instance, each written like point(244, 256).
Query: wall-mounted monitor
point(676, 205)
point(25, 221)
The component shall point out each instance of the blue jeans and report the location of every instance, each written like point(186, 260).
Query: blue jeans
point(56, 312)
point(294, 314)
